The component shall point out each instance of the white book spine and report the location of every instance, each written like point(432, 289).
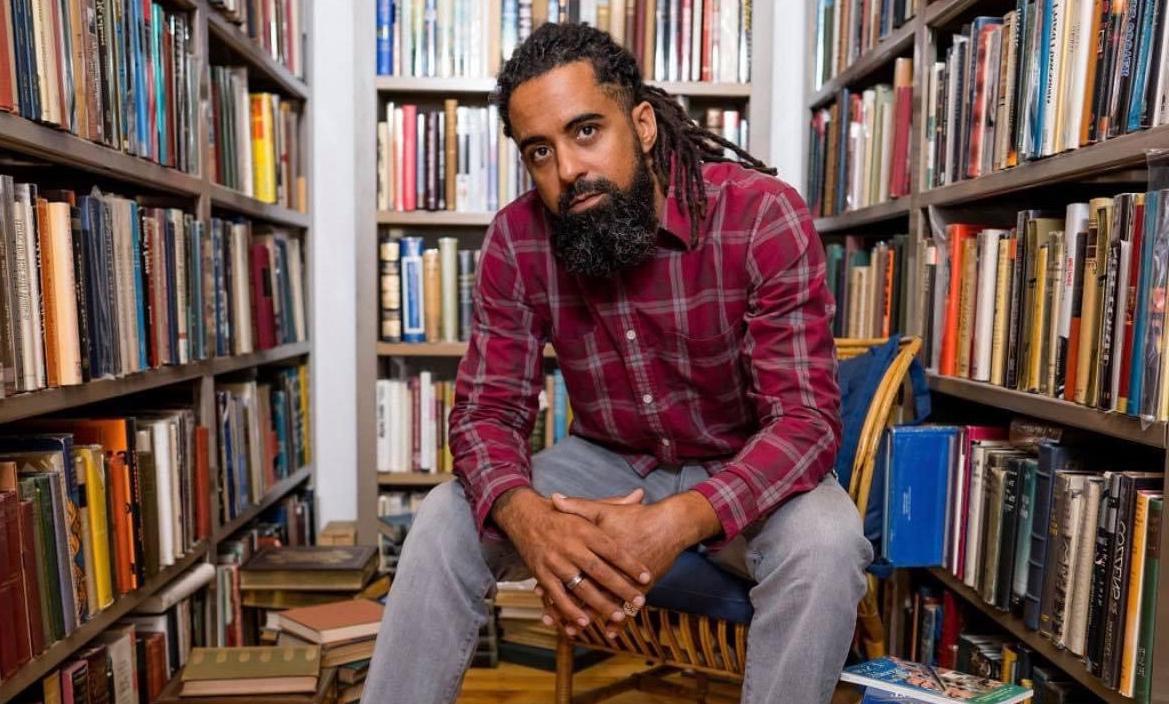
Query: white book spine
point(1075, 227)
point(1054, 94)
point(159, 448)
point(1084, 562)
point(885, 98)
point(695, 39)
point(728, 41)
point(68, 344)
point(405, 428)
point(1080, 46)
point(449, 262)
point(1076, 499)
point(382, 420)
point(974, 520)
point(426, 418)
point(988, 242)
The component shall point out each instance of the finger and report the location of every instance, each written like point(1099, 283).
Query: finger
point(632, 498)
point(585, 508)
point(605, 582)
point(608, 551)
point(553, 580)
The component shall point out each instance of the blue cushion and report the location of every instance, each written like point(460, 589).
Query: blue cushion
point(694, 585)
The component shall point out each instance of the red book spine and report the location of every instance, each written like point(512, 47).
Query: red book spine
point(263, 312)
point(949, 360)
point(409, 156)
point(32, 585)
point(7, 64)
point(8, 629)
point(707, 39)
point(156, 665)
point(12, 581)
point(638, 37)
point(202, 483)
point(1134, 272)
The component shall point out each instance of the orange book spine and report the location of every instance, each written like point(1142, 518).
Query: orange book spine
point(949, 356)
point(48, 295)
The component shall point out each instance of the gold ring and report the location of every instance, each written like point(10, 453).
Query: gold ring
point(629, 609)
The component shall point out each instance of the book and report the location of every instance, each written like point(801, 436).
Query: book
point(931, 684)
point(333, 623)
point(916, 489)
point(309, 568)
point(251, 671)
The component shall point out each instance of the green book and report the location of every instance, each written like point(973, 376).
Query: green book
point(1148, 615)
point(37, 488)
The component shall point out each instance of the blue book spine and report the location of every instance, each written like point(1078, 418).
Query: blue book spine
point(413, 320)
point(511, 27)
point(559, 407)
point(139, 285)
point(280, 419)
point(1137, 368)
point(195, 289)
point(137, 74)
point(1141, 60)
point(917, 490)
point(1044, 71)
point(554, 10)
point(172, 302)
point(161, 153)
point(385, 38)
point(217, 289)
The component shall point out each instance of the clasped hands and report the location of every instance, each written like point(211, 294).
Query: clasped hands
point(618, 547)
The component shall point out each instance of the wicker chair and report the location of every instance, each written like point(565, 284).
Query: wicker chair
point(675, 641)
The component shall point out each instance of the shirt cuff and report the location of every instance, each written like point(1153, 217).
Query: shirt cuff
point(733, 500)
point(482, 502)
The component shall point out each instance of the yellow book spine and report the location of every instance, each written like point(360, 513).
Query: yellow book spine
point(95, 496)
point(263, 178)
point(302, 373)
point(998, 345)
point(1136, 578)
point(1035, 350)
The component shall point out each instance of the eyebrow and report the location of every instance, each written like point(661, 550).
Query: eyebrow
point(574, 122)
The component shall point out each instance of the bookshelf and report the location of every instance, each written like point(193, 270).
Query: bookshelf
point(377, 359)
point(80, 163)
point(1107, 166)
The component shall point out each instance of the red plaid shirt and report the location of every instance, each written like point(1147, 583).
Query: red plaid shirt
point(720, 353)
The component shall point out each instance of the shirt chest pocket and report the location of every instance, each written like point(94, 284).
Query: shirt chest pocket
point(703, 368)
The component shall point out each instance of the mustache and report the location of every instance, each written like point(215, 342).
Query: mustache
point(578, 189)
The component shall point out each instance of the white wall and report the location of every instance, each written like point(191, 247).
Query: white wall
point(788, 124)
point(334, 252)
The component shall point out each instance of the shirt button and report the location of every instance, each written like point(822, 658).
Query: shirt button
point(647, 399)
point(630, 335)
point(666, 442)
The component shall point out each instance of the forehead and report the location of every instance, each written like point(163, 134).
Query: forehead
point(544, 104)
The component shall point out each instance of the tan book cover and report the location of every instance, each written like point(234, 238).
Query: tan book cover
point(1086, 355)
point(343, 653)
point(333, 623)
point(494, 18)
point(967, 301)
point(647, 57)
point(310, 568)
point(1055, 265)
point(432, 296)
point(1002, 311)
point(1100, 213)
point(220, 664)
point(1038, 321)
point(325, 693)
point(450, 108)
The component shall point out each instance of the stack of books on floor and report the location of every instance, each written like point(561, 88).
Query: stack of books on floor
point(290, 675)
point(345, 632)
point(890, 679)
point(519, 615)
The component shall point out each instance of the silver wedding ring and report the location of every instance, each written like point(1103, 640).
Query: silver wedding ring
point(574, 582)
point(629, 609)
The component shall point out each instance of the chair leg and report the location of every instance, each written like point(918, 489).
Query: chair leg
point(563, 670)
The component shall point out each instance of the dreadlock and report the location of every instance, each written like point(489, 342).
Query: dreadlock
point(681, 141)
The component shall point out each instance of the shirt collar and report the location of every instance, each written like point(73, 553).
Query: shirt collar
point(676, 217)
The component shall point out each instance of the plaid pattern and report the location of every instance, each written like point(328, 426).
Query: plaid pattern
point(719, 353)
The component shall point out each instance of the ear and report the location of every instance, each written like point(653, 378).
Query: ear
point(645, 123)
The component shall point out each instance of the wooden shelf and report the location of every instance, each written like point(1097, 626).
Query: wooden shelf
point(889, 210)
point(433, 218)
point(1051, 409)
point(62, 147)
point(51, 400)
point(484, 86)
point(433, 349)
point(229, 199)
point(895, 44)
point(415, 479)
point(63, 649)
point(277, 492)
point(943, 12)
point(1064, 660)
point(259, 62)
point(1126, 151)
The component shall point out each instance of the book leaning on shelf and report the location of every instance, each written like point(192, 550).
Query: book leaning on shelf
point(274, 25)
point(860, 146)
point(869, 285)
point(263, 435)
point(695, 40)
point(412, 429)
point(846, 30)
point(425, 294)
point(1039, 528)
point(255, 141)
point(93, 508)
point(99, 286)
point(1041, 80)
point(1066, 304)
point(122, 73)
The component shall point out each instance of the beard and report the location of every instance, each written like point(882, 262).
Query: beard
point(618, 233)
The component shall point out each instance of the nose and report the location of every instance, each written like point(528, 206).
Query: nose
point(569, 168)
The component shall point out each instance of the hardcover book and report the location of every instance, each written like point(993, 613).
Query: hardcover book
point(932, 684)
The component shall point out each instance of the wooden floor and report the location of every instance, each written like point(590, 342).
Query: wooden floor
point(515, 684)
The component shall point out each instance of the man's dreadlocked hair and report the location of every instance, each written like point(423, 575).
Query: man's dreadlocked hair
point(680, 140)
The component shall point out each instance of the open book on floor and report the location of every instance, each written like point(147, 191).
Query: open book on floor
point(932, 684)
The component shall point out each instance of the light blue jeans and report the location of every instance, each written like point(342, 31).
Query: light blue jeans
point(807, 560)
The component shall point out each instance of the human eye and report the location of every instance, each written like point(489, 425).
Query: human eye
point(587, 132)
point(538, 154)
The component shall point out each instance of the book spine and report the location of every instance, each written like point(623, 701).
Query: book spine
point(466, 293)
point(449, 282)
point(391, 288)
point(1144, 655)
